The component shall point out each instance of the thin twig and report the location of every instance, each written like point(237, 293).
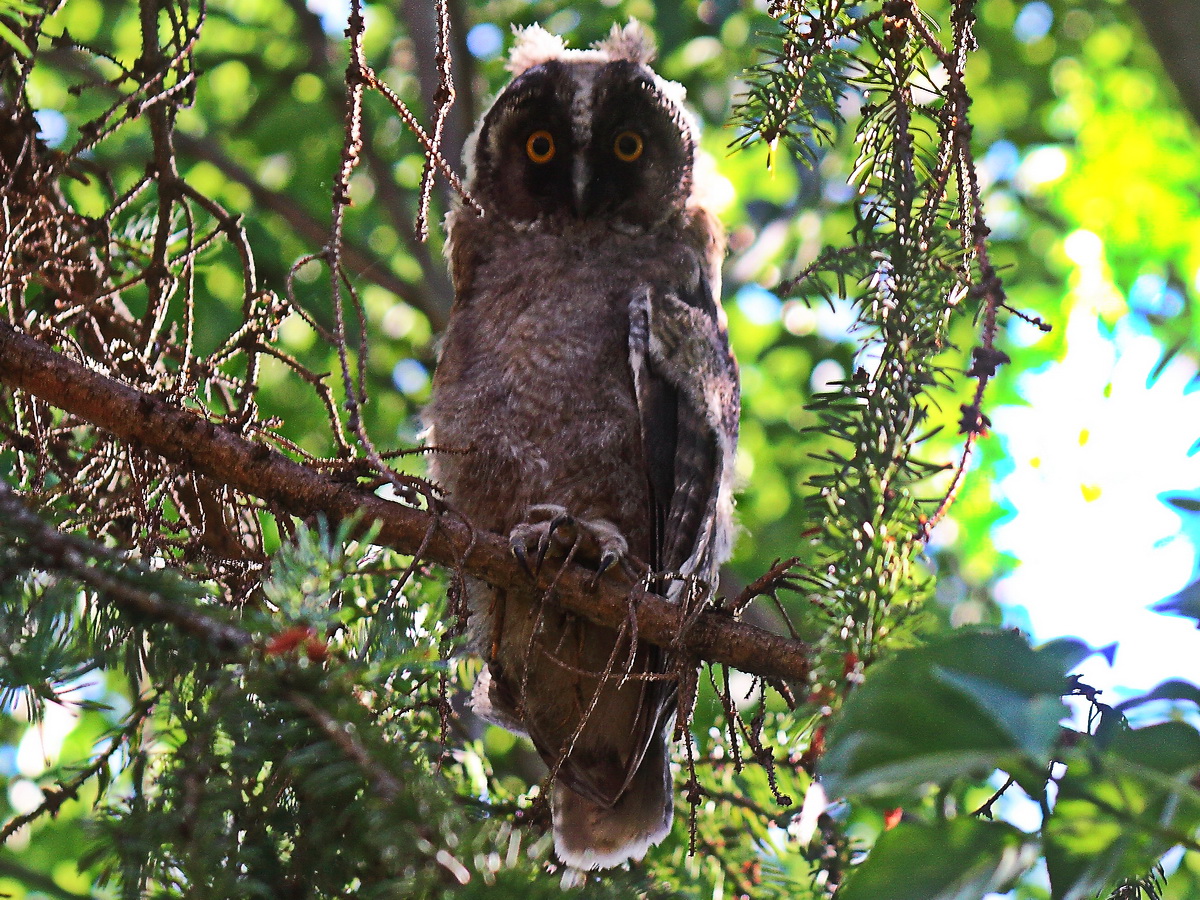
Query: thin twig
point(214, 452)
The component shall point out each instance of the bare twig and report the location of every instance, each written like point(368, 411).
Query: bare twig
point(217, 453)
point(54, 797)
point(359, 260)
point(69, 555)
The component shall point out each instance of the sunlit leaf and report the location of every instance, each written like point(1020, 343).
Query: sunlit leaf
point(966, 704)
point(1119, 810)
point(963, 859)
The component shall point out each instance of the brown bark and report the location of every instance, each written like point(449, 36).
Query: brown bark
point(186, 439)
point(1173, 27)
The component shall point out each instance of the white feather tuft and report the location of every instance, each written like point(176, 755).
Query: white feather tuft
point(535, 45)
point(631, 43)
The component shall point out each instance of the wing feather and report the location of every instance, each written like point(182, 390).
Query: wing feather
point(686, 385)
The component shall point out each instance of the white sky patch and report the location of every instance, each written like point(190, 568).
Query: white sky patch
point(335, 14)
point(485, 40)
point(758, 304)
point(1041, 166)
point(1095, 543)
point(825, 376)
point(1033, 22)
point(42, 743)
point(52, 126)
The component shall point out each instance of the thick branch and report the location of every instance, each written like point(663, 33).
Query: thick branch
point(1174, 28)
point(184, 438)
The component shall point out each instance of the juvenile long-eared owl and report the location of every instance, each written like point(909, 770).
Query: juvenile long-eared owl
point(586, 396)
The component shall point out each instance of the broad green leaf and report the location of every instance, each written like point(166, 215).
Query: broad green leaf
point(1184, 603)
point(1030, 722)
point(1119, 811)
point(1174, 689)
point(962, 859)
point(967, 704)
point(1070, 652)
point(1168, 747)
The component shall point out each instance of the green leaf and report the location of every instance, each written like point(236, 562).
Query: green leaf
point(1168, 747)
point(1184, 603)
point(962, 859)
point(967, 704)
point(11, 38)
point(1030, 722)
point(1119, 811)
point(1174, 689)
point(1070, 652)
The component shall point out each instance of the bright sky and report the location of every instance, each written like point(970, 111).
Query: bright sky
point(1095, 542)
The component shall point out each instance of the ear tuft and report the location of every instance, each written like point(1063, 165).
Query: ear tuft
point(535, 45)
point(632, 43)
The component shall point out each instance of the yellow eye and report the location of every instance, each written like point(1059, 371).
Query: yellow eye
point(628, 146)
point(540, 146)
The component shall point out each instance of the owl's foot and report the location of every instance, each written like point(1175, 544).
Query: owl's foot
point(548, 524)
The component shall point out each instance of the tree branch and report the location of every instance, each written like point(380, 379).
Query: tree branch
point(69, 555)
point(184, 438)
point(361, 261)
point(1173, 27)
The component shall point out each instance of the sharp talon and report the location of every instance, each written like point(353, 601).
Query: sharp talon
point(542, 549)
point(532, 540)
point(562, 520)
point(518, 550)
point(606, 562)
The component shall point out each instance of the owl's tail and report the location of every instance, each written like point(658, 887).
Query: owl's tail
point(591, 835)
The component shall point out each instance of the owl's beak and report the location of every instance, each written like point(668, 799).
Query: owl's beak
point(584, 200)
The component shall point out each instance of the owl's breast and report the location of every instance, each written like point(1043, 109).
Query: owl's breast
point(535, 388)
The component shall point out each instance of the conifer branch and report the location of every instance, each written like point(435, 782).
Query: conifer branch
point(185, 438)
point(72, 556)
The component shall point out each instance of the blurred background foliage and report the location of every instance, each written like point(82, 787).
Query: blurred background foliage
point(1090, 167)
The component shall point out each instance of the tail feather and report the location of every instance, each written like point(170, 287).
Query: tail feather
point(591, 835)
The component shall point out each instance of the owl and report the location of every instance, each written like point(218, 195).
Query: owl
point(585, 403)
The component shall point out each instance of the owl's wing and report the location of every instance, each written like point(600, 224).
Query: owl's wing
point(687, 391)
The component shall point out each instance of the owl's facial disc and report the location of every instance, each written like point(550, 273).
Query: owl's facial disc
point(591, 141)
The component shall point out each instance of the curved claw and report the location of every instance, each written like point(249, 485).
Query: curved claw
point(517, 548)
point(607, 561)
point(562, 520)
point(530, 541)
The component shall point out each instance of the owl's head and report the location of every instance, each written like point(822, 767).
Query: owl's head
point(584, 134)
